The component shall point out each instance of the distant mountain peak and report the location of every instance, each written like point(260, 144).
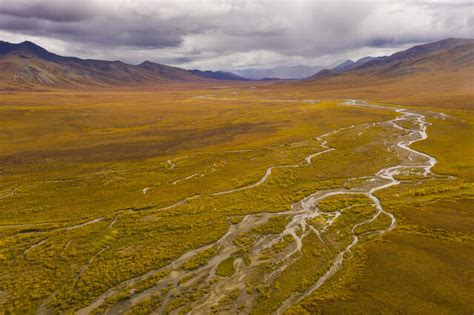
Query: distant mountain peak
point(30, 44)
point(344, 65)
point(147, 63)
point(279, 72)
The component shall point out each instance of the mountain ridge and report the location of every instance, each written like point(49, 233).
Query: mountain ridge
point(27, 65)
point(394, 63)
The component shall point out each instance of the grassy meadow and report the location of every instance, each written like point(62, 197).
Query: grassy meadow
point(103, 192)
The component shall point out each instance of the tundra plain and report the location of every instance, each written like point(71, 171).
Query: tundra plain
point(239, 198)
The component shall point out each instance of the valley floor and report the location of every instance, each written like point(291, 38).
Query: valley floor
point(236, 199)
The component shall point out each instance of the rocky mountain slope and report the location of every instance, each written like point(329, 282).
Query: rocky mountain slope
point(27, 65)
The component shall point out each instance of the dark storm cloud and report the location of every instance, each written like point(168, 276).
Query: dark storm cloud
point(57, 11)
point(102, 23)
point(380, 42)
point(134, 35)
point(391, 41)
point(233, 32)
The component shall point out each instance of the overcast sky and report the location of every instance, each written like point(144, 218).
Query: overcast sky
point(226, 34)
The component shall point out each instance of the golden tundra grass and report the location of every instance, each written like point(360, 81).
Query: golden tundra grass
point(101, 187)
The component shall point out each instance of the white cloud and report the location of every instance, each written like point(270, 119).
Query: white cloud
point(229, 34)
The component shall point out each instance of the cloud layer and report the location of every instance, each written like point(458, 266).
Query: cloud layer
point(230, 34)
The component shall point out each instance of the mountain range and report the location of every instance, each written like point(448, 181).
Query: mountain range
point(451, 53)
point(279, 72)
point(27, 65)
